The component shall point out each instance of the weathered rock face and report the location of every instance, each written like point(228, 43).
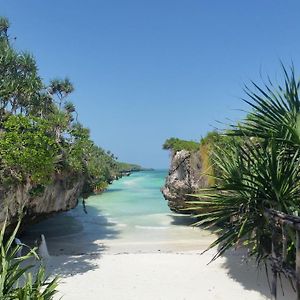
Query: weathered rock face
point(185, 177)
point(61, 195)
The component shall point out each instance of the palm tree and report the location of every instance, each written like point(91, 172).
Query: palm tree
point(19, 80)
point(61, 88)
point(258, 170)
point(4, 25)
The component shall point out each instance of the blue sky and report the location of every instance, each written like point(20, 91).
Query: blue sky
point(147, 70)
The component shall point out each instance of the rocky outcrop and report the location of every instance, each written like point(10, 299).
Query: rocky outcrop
point(185, 177)
point(61, 195)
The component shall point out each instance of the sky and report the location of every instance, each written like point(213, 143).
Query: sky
point(145, 71)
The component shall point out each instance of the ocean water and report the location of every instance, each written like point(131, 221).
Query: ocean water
point(134, 201)
point(130, 216)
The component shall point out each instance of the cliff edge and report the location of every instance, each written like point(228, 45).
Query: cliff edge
point(61, 195)
point(185, 177)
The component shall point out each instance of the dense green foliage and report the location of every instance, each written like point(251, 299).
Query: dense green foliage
point(26, 149)
point(126, 167)
point(259, 170)
point(16, 282)
point(176, 144)
point(215, 138)
point(39, 132)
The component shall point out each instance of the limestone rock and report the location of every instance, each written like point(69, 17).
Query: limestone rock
point(61, 195)
point(185, 177)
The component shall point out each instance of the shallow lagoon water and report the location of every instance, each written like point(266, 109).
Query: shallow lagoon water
point(131, 216)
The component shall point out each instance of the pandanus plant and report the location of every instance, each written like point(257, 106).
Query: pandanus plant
point(16, 278)
point(258, 169)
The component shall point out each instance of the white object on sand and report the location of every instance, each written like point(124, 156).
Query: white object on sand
point(18, 242)
point(43, 250)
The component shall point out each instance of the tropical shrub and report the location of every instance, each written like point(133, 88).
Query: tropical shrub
point(259, 169)
point(16, 280)
point(176, 144)
point(27, 147)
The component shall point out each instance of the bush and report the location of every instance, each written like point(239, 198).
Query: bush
point(176, 144)
point(16, 280)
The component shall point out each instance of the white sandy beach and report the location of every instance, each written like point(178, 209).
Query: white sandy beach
point(93, 262)
point(165, 276)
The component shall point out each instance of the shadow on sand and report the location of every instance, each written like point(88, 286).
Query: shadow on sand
point(244, 271)
point(182, 220)
point(75, 240)
point(253, 278)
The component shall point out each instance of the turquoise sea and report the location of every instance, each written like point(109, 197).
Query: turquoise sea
point(130, 216)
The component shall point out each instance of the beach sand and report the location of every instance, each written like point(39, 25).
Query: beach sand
point(94, 261)
point(165, 276)
point(159, 274)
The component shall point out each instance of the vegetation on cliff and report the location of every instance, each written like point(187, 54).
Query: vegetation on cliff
point(39, 130)
point(126, 167)
point(205, 148)
point(176, 144)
